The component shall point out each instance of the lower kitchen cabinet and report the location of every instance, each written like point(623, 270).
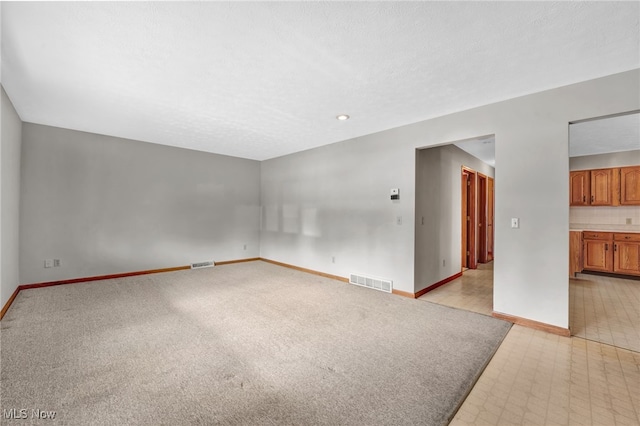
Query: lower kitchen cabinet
point(597, 251)
point(607, 252)
point(575, 253)
point(626, 254)
point(598, 255)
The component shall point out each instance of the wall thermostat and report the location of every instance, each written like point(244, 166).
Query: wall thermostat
point(395, 194)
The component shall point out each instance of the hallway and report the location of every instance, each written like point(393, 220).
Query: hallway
point(471, 292)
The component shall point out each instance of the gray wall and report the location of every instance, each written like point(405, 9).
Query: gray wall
point(438, 201)
point(603, 161)
point(334, 200)
point(104, 205)
point(10, 199)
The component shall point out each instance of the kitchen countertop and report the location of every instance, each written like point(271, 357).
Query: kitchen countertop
point(603, 228)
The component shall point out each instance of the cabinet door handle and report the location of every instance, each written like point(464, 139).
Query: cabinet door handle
point(606, 247)
point(584, 198)
point(592, 198)
point(615, 247)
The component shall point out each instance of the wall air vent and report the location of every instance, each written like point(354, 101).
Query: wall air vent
point(202, 265)
point(370, 282)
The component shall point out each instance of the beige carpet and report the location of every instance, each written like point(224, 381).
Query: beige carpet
point(249, 343)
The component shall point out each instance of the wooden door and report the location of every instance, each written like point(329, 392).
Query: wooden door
point(482, 218)
point(490, 218)
point(602, 187)
point(465, 221)
point(579, 188)
point(630, 186)
point(469, 199)
point(598, 255)
point(626, 258)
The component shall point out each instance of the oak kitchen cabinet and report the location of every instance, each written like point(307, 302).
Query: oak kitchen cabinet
point(602, 186)
point(605, 187)
point(630, 186)
point(579, 188)
point(575, 252)
point(597, 251)
point(626, 253)
point(616, 252)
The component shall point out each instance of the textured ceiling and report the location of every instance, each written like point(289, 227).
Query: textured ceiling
point(601, 136)
point(483, 148)
point(259, 80)
point(613, 134)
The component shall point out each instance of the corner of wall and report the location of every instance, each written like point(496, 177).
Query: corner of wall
point(10, 154)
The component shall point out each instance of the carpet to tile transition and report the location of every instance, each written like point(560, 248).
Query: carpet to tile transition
point(249, 343)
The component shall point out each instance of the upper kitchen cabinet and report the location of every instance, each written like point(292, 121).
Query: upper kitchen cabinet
point(579, 188)
point(604, 162)
point(630, 186)
point(594, 187)
point(603, 188)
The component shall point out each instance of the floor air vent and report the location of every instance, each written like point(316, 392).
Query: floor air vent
point(374, 283)
point(202, 265)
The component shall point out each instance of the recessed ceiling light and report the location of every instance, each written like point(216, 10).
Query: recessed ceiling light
point(343, 117)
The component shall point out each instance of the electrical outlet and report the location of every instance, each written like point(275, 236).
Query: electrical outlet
point(333, 259)
point(48, 263)
point(444, 263)
point(628, 221)
point(245, 247)
point(56, 263)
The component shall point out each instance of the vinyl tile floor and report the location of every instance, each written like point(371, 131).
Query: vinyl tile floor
point(537, 378)
point(606, 310)
point(471, 292)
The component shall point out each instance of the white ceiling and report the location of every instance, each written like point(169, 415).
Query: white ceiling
point(483, 148)
point(613, 134)
point(600, 136)
point(259, 80)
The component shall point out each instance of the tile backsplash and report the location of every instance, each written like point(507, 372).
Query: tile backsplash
point(604, 215)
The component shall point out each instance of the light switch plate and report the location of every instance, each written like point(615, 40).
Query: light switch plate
point(515, 222)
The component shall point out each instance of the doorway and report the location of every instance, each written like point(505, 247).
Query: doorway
point(469, 219)
point(483, 231)
point(477, 198)
point(485, 218)
point(490, 217)
point(447, 230)
point(603, 297)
